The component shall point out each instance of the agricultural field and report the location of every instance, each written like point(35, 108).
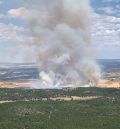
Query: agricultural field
point(26, 109)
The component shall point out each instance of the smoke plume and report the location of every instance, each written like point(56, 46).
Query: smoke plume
point(61, 30)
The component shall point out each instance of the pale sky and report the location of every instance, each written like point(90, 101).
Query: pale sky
point(14, 36)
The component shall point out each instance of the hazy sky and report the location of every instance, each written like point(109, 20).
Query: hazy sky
point(14, 37)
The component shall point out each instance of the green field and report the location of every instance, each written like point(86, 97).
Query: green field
point(100, 113)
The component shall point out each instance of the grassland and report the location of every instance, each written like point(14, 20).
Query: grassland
point(100, 113)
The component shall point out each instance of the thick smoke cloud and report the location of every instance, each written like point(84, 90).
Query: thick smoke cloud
point(61, 30)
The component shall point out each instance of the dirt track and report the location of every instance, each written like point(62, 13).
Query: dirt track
point(6, 101)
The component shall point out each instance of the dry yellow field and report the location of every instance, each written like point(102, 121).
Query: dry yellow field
point(6, 84)
point(109, 84)
point(17, 84)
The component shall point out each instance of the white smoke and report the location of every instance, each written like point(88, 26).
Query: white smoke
point(61, 30)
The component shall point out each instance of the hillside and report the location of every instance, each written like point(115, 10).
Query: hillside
point(27, 110)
